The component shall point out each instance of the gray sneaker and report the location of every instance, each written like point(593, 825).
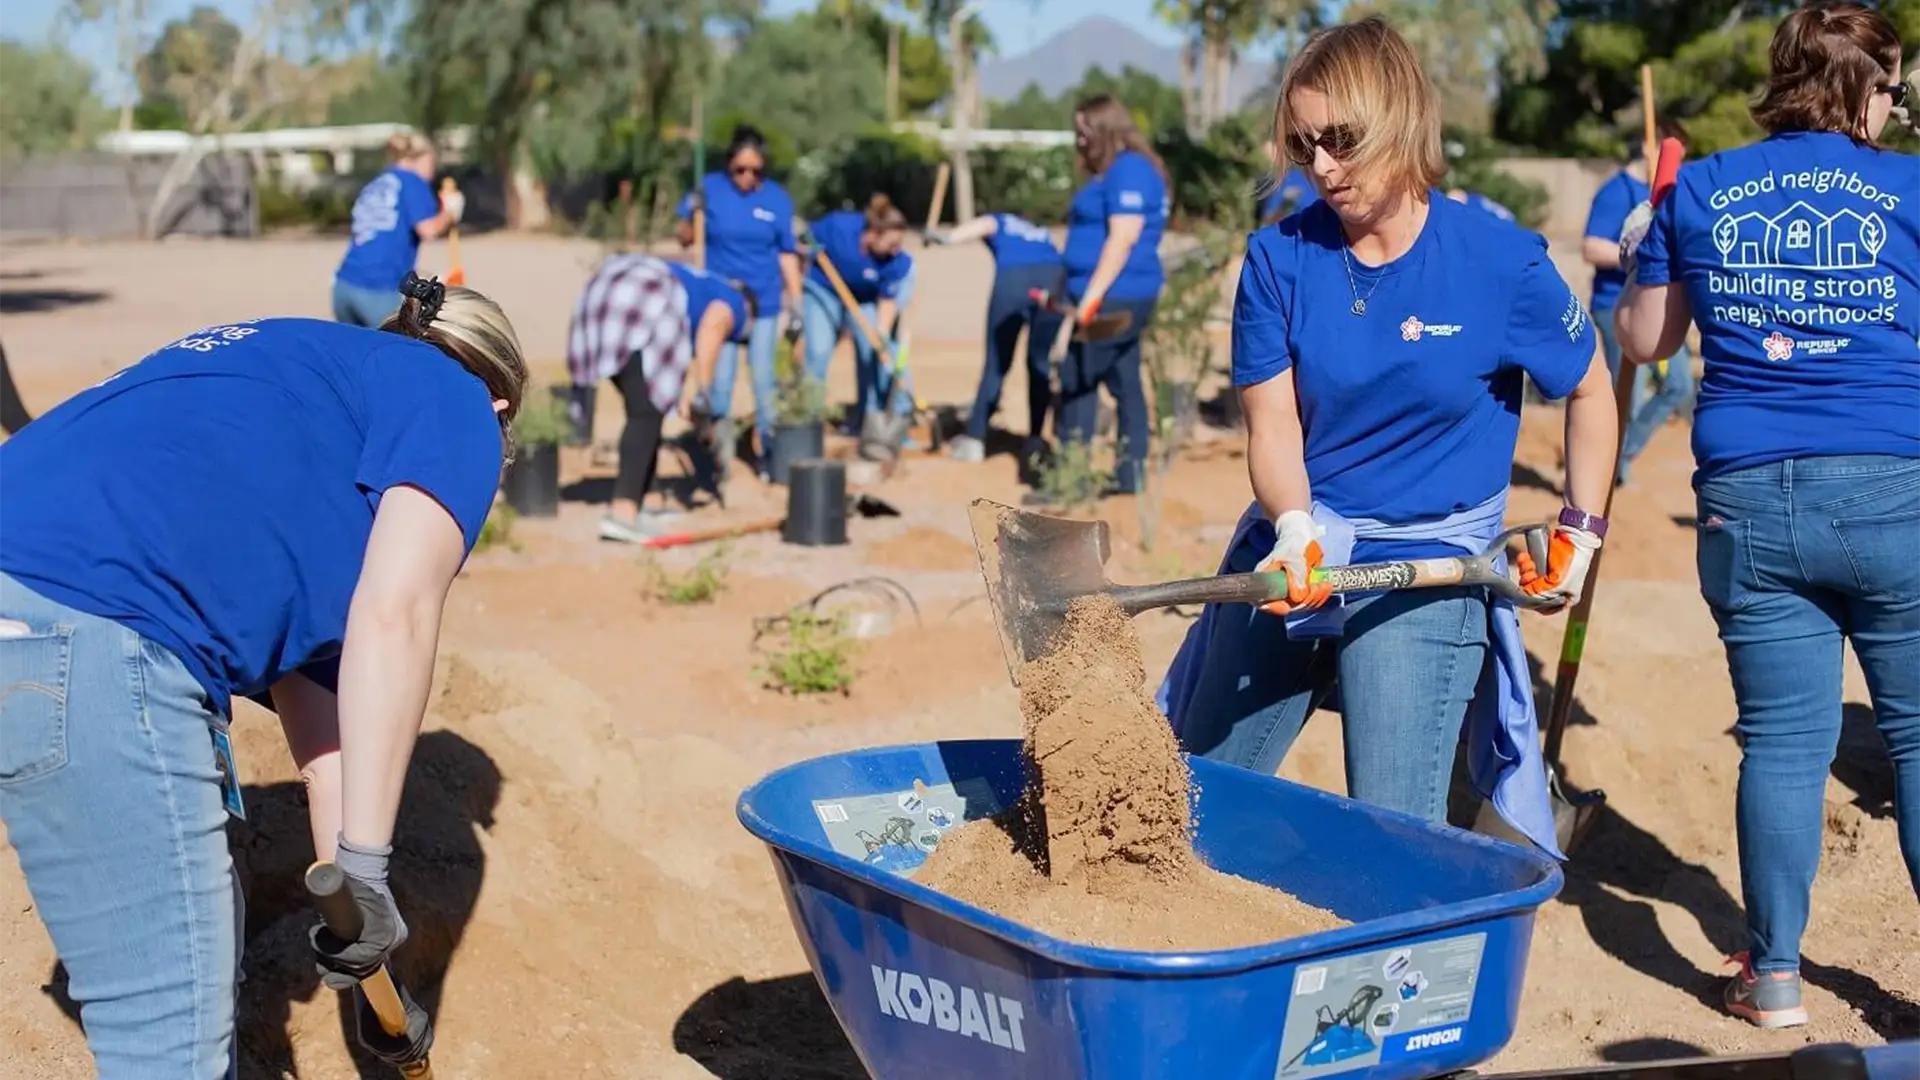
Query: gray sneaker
point(1770, 1000)
point(650, 524)
point(968, 449)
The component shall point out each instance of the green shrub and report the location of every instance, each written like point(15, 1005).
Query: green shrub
point(497, 530)
point(541, 421)
point(324, 207)
point(698, 585)
point(902, 166)
point(817, 657)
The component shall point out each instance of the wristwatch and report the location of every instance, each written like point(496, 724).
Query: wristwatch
point(1574, 518)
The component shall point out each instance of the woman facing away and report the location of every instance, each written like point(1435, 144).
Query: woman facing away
point(275, 509)
point(392, 215)
point(1799, 258)
point(1381, 340)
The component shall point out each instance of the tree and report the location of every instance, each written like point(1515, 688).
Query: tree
point(1156, 106)
point(924, 75)
point(1470, 46)
point(129, 19)
point(1217, 32)
point(186, 63)
point(779, 79)
point(49, 98)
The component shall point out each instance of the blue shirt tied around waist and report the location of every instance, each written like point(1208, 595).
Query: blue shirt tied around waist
point(1503, 737)
point(1019, 242)
point(703, 291)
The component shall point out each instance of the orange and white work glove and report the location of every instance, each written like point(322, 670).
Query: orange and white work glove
point(455, 204)
point(1086, 311)
point(1296, 549)
point(1576, 536)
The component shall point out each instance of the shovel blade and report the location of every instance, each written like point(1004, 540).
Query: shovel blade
point(1034, 566)
point(883, 436)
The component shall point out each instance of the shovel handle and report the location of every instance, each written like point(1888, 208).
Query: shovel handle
point(327, 886)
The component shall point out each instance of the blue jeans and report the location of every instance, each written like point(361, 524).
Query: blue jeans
point(1649, 412)
point(362, 306)
point(825, 318)
point(111, 796)
point(761, 342)
point(1114, 364)
point(1009, 309)
point(1795, 558)
point(1407, 667)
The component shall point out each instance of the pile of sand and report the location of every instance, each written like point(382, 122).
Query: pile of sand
point(1100, 849)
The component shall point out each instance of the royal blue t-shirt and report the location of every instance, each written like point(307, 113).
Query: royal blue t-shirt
point(1019, 242)
point(1130, 185)
point(217, 496)
point(703, 290)
point(385, 217)
point(1294, 190)
point(1801, 256)
point(1481, 202)
point(1606, 220)
point(746, 232)
point(868, 279)
point(1411, 411)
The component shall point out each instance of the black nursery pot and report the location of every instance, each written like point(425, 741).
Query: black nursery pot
point(532, 483)
point(791, 443)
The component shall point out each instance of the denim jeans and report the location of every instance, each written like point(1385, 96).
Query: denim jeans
point(1649, 412)
point(826, 318)
point(1795, 558)
point(362, 306)
point(1009, 309)
point(1407, 665)
point(1114, 364)
point(111, 797)
point(761, 342)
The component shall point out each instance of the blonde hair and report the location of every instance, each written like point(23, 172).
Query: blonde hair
point(1377, 86)
point(473, 331)
point(402, 145)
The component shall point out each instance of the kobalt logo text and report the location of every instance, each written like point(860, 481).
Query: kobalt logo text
point(1426, 1040)
point(929, 1001)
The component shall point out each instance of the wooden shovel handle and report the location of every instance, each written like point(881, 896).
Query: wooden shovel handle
point(327, 885)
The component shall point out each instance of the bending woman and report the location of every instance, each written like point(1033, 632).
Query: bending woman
point(391, 216)
point(649, 324)
point(1380, 342)
point(1807, 446)
point(1024, 259)
point(265, 497)
point(865, 251)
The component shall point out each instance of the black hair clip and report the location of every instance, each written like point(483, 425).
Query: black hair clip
point(429, 292)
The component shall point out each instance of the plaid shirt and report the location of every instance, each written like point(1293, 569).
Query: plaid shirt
point(633, 306)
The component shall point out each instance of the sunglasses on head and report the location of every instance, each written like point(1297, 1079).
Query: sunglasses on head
point(1338, 140)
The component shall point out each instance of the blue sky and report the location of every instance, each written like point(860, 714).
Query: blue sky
point(1017, 24)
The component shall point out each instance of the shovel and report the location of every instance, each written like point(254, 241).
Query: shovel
point(1035, 565)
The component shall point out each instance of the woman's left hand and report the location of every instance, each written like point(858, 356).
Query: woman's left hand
point(1569, 553)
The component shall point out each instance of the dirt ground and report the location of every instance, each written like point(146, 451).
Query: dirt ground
point(584, 901)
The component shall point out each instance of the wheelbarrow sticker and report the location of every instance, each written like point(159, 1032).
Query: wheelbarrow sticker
point(1344, 1016)
point(896, 830)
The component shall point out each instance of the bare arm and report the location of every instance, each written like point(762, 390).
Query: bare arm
point(716, 326)
point(1276, 447)
point(978, 229)
point(386, 666)
point(791, 269)
point(1600, 254)
point(1651, 322)
point(1123, 231)
point(310, 717)
point(1592, 438)
point(436, 226)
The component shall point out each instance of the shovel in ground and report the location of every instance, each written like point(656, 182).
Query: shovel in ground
point(1035, 565)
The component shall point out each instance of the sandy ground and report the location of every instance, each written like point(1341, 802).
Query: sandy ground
point(585, 903)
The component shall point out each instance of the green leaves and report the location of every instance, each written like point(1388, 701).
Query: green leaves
point(49, 100)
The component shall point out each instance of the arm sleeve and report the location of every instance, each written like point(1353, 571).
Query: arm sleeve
point(1549, 335)
point(1656, 257)
point(431, 424)
point(1132, 187)
point(1608, 215)
point(1259, 320)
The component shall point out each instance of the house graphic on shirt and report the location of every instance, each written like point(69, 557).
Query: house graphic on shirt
point(1800, 238)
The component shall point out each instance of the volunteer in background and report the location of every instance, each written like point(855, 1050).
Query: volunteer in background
point(1112, 258)
point(1293, 192)
point(750, 239)
point(1024, 259)
point(1799, 258)
point(1380, 339)
point(865, 249)
point(1606, 219)
point(1481, 202)
point(392, 215)
point(656, 329)
point(275, 508)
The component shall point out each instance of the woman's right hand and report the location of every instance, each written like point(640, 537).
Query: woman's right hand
point(454, 205)
point(344, 963)
point(1296, 549)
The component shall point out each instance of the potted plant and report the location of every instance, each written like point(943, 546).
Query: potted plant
point(532, 481)
point(799, 420)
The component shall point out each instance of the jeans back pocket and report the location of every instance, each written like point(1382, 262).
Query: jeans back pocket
point(1724, 558)
point(1884, 552)
point(34, 676)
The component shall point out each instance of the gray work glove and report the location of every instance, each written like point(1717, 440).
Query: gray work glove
point(343, 964)
point(396, 1050)
point(1635, 230)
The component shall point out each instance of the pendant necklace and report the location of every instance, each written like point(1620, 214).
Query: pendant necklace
point(1359, 302)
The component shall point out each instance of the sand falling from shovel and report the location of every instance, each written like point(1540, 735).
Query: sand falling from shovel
point(1099, 850)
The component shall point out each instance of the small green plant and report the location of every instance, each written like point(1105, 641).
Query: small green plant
point(497, 530)
point(698, 585)
point(541, 421)
point(816, 659)
point(1073, 479)
point(801, 399)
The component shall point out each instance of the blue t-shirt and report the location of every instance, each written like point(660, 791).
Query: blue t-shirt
point(868, 279)
point(1294, 192)
point(230, 481)
point(1801, 256)
point(385, 217)
point(703, 291)
point(1019, 242)
point(1411, 411)
point(1130, 185)
point(1481, 202)
point(1606, 219)
point(746, 232)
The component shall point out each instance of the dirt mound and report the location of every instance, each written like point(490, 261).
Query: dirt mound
point(1100, 849)
point(921, 547)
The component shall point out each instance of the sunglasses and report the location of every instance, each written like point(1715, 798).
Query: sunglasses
point(1338, 140)
point(746, 170)
point(1899, 92)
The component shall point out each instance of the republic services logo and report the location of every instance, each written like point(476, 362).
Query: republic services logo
point(1410, 330)
point(1413, 329)
point(1779, 346)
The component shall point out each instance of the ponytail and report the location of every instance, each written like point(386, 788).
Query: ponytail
point(883, 216)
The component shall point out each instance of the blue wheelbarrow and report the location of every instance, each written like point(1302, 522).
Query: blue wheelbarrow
point(1426, 981)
